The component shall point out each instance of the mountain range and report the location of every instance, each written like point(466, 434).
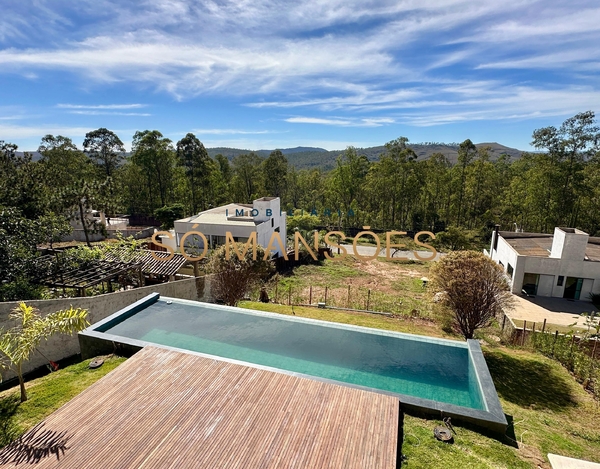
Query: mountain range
point(314, 157)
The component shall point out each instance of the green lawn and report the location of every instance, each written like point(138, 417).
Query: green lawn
point(45, 395)
point(399, 324)
point(550, 412)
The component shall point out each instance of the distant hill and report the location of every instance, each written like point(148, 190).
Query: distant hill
point(310, 157)
point(314, 157)
point(231, 153)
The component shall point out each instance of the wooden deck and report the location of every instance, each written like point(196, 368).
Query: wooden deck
point(164, 409)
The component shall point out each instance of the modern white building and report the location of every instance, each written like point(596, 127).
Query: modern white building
point(263, 216)
point(563, 265)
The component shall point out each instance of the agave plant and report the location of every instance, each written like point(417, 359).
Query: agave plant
point(17, 344)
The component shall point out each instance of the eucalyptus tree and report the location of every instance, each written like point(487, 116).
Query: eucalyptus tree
point(195, 160)
point(346, 185)
point(248, 180)
point(394, 184)
point(569, 147)
point(155, 156)
point(275, 169)
point(104, 148)
point(435, 196)
point(466, 153)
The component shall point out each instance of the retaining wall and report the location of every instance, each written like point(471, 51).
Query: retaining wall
point(99, 307)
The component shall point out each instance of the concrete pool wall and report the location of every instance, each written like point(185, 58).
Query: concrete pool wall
point(95, 340)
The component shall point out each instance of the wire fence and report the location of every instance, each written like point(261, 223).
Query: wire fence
point(350, 297)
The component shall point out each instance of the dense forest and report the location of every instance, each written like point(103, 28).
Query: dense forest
point(558, 185)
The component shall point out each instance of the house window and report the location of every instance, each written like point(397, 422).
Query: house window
point(561, 280)
point(510, 270)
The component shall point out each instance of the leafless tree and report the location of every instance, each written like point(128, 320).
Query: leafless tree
point(233, 278)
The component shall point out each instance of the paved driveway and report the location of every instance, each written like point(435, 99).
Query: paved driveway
point(370, 250)
point(556, 311)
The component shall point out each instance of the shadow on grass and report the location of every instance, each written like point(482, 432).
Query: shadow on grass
point(9, 430)
point(526, 382)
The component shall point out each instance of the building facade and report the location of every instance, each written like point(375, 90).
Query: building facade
point(565, 264)
point(263, 216)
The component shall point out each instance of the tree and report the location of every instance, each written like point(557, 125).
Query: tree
point(247, 180)
point(20, 181)
point(18, 255)
point(17, 344)
point(234, 277)
point(104, 148)
point(569, 148)
point(194, 158)
point(346, 185)
point(474, 288)
point(78, 199)
point(155, 155)
point(62, 161)
point(275, 169)
point(168, 214)
point(54, 227)
point(466, 153)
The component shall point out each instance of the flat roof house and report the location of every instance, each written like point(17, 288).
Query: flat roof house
point(263, 216)
point(565, 264)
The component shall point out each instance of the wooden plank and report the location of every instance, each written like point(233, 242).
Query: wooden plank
point(166, 409)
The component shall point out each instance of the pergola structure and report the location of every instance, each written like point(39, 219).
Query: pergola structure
point(115, 264)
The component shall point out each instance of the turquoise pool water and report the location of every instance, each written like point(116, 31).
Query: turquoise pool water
point(419, 367)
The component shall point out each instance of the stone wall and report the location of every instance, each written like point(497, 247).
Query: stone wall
point(62, 346)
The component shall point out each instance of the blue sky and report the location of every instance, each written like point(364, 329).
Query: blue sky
point(261, 74)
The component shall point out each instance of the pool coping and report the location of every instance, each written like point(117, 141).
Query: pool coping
point(95, 341)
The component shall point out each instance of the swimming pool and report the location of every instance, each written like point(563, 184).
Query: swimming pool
point(427, 373)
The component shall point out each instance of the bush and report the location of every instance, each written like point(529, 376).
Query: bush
point(233, 278)
point(569, 353)
point(473, 287)
point(168, 214)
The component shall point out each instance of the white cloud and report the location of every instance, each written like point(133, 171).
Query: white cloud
point(230, 132)
point(100, 106)
point(412, 59)
point(109, 113)
point(316, 120)
point(366, 122)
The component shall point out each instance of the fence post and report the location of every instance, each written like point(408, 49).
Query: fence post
point(594, 350)
point(555, 339)
point(310, 296)
point(503, 321)
point(290, 296)
point(368, 298)
point(544, 326)
point(533, 328)
point(325, 295)
point(348, 302)
point(523, 334)
point(276, 285)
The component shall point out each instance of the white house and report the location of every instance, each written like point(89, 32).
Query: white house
point(263, 216)
point(563, 265)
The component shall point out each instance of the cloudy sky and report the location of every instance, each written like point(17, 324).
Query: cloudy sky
point(260, 74)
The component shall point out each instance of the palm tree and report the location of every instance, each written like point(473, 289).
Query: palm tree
point(18, 343)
